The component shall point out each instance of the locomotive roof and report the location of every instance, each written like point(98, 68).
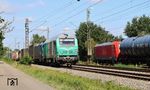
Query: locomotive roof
point(62, 35)
point(104, 44)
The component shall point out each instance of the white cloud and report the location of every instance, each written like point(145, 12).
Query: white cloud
point(6, 6)
point(42, 28)
point(37, 3)
point(95, 1)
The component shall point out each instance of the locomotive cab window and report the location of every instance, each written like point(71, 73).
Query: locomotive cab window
point(66, 41)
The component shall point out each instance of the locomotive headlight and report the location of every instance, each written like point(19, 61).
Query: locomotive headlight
point(71, 51)
point(76, 50)
point(64, 52)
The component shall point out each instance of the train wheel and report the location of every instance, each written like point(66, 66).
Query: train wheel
point(148, 64)
point(69, 65)
point(113, 61)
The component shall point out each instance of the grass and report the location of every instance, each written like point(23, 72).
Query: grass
point(115, 65)
point(126, 65)
point(66, 81)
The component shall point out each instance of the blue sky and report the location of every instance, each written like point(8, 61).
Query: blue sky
point(66, 15)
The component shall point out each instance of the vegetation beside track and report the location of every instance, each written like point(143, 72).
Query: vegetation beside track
point(65, 81)
point(119, 65)
point(128, 65)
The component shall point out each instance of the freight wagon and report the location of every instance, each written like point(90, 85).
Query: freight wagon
point(15, 55)
point(24, 52)
point(37, 53)
point(136, 50)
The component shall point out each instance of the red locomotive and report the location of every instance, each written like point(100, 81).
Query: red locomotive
point(107, 52)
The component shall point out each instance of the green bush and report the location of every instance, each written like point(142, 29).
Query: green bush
point(8, 60)
point(27, 60)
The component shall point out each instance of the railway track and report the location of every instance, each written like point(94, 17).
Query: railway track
point(118, 68)
point(117, 72)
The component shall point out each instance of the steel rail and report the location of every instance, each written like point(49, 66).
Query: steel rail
point(122, 73)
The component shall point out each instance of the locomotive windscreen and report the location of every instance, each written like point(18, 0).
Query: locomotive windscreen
point(67, 41)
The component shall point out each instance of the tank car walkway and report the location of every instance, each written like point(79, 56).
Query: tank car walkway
point(13, 79)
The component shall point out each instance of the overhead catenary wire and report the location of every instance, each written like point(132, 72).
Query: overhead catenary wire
point(58, 17)
point(124, 15)
point(37, 27)
point(71, 11)
point(75, 14)
point(81, 12)
point(108, 16)
point(119, 27)
point(58, 10)
point(121, 11)
point(66, 19)
point(133, 6)
point(105, 16)
point(85, 9)
point(69, 16)
point(116, 7)
point(70, 3)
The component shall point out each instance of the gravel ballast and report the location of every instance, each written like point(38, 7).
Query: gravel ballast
point(133, 83)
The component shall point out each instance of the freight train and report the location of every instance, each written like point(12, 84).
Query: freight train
point(134, 50)
point(62, 49)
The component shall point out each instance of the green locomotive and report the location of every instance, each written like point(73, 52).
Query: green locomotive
point(62, 49)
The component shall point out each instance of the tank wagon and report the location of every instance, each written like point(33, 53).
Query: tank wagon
point(136, 50)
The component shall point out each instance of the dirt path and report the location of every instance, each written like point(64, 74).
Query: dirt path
point(25, 82)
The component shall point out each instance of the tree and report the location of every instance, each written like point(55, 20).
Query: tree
point(3, 25)
point(119, 38)
point(37, 39)
point(138, 27)
point(1, 44)
point(6, 49)
point(98, 34)
point(6, 52)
